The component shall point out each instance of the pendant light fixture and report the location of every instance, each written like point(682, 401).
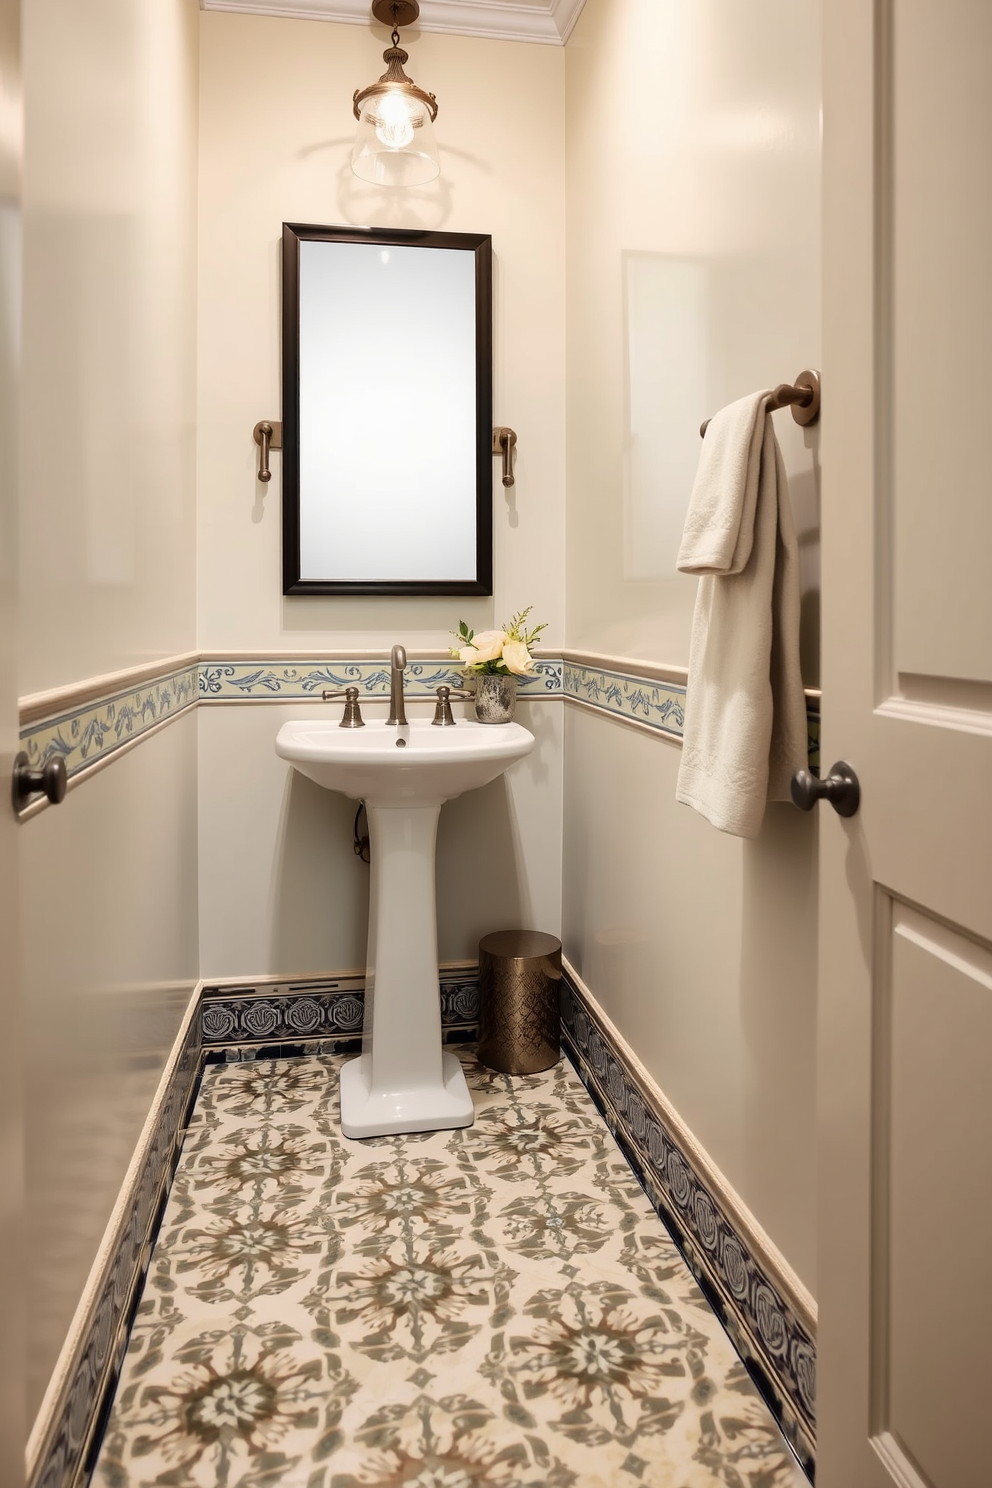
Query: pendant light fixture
point(394, 143)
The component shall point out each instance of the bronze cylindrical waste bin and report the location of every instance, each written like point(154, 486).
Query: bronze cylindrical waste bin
point(519, 973)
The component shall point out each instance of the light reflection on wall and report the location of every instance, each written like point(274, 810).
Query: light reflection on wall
point(665, 330)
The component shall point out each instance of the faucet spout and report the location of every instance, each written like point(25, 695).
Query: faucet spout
point(397, 666)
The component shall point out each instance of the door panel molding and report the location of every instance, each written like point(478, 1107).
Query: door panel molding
point(946, 702)
point(931, 1211)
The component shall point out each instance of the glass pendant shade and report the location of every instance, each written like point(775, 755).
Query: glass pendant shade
point(394, 143)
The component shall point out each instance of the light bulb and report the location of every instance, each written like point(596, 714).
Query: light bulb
point(393, 124)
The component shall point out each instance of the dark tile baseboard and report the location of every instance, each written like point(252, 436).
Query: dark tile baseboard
point(63, 1443)
point(775, 1343)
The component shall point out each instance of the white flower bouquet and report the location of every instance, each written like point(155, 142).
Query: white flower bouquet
point(498, 653)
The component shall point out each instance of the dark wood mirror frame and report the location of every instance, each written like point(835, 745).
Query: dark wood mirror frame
point(293, 234)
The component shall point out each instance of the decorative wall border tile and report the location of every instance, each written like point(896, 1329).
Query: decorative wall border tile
point(304, 681)
point(773, 1340)
point(72, 1411)
point(319, 1010)
point(654, 702)
point(88, 726)
point(641, 699)
point(92, 731)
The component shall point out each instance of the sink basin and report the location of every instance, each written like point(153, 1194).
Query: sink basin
point(403, 1081)
point(411, 762)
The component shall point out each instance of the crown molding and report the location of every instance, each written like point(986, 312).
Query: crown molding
point(548, 22)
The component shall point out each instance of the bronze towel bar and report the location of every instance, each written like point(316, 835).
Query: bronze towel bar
point(803, 397)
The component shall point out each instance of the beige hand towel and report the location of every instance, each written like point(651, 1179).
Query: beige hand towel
point(745, 711)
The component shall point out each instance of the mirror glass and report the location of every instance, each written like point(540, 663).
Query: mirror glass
point(387, 419)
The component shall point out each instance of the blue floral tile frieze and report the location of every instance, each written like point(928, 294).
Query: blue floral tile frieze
point(641, 699)
point(765, 1325)
point(94, 730)
point(98, 728)
point(304, 681)
point(647, 700)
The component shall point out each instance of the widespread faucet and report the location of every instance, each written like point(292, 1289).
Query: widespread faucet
point(397, 666)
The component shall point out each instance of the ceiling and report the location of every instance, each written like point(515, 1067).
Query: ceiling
point(548, 21)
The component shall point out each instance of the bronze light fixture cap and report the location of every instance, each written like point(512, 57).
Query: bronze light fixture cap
point(393, 80)
point(395, 13)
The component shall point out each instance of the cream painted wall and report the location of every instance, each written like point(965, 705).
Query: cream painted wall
point(702, 949)
point(109, 965)
point(276, 134)
point(282, 892)
point(107, 580)
point(692, 141)
point(108, 524)
point(693, 242)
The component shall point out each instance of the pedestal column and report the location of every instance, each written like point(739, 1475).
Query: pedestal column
point(403, 1081)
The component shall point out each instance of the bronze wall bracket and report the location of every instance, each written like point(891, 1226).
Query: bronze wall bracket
point(504, 441)
point(268, 436)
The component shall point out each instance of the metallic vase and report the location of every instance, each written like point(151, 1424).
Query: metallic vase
point(495, 697)
point(519, 978)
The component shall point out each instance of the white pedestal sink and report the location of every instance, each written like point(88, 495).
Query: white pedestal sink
point(403, 1081)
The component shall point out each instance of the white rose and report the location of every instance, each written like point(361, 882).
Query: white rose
point(518, 658)
point(486, 646)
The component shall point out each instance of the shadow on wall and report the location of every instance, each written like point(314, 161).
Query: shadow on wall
point(779, 947)
point(320, 899)
point(479, 871)
point(320, 892)
point(429, 206)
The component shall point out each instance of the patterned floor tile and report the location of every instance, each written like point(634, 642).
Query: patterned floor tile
point(250, 1170)
point(230, 1403)
point(245, 1091)
point(496, 1306)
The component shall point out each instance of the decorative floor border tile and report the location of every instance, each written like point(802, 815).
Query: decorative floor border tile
point(320, 1010)
point(773, 1341)
point(61, 1454)
point(304, 681)
point(96, 729)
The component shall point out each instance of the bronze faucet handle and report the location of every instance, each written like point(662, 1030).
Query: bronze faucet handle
point(352, 712)
point(443, 716)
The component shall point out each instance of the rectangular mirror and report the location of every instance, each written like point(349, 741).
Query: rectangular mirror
point(387, 411)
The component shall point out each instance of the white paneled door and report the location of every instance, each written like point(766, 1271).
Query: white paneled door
point(905, 1093)
point(12, 1407)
